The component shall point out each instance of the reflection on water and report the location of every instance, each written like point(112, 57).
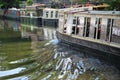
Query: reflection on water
point(5, 24)
point(10, 72)
point(28, 52)
point(73, 65)
point(20, 78)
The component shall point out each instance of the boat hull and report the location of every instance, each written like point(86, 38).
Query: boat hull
point(50, 22)
point(108, 53)
point(31, 20)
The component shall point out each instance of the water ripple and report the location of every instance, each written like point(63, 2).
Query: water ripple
point(11, 72)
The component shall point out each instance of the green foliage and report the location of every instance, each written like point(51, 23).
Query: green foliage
point(16, 3)
point(9, 3)
point(114, 5)
point(29, 2)
point(82, 1)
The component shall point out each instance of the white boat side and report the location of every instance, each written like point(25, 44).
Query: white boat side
point(101, 27)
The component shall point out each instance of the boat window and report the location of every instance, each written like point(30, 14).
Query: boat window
point(95, 28)
point(74, 21)
point(73, 29)
point(75, 17)
point(56, 14)
point(116, 31)
point(78, 21)
point(88, 27)
point(34, 14)
point(41, 12)
point(99, 28)
point(51, 14)
point(46, 13)
point(108, 29)
point(84, 27)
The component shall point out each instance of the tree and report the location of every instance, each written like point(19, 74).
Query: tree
point(80, 1)
point(29, 2)
point(114, 5)
point(5, 4)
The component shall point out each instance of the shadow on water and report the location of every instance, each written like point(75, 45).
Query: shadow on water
point(29, 52)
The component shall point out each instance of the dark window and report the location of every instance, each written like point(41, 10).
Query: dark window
point(56, 14)
point(51, 14)
point(74, 21)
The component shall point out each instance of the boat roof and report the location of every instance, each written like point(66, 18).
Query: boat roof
point(103, 12)
point(75, 10)
point(93, 12)
point(50, 9)
point(13, 8)
point(37, 4)
point(34, 6)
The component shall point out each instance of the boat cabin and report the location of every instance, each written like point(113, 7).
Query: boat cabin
point(49, 13)
point(36, 10)
point(95, 25)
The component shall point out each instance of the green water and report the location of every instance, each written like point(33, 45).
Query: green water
point(31, 53)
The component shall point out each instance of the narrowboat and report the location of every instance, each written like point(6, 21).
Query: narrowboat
point(50, 17)
point(95, 32)
point(11, 13)
point(32, 14)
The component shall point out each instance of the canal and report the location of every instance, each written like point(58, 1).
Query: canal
point(29, 52)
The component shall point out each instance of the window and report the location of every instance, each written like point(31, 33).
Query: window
point(51, 14)
point(74, 21)
point(56, 14)
point(46, 14)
